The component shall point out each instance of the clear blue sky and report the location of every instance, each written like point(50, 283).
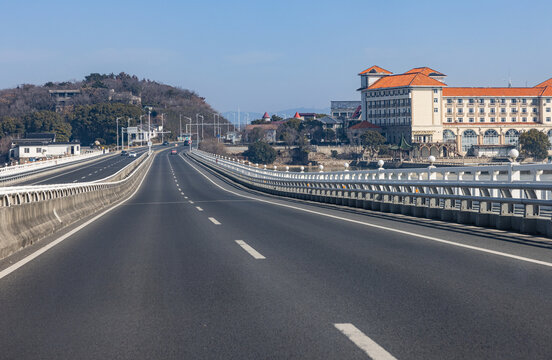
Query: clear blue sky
point(272, 55)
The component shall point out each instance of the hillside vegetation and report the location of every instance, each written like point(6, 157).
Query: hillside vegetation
point(91, 114)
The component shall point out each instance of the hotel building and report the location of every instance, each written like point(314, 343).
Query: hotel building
point(452, 121)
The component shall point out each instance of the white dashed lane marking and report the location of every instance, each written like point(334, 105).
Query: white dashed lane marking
point(250, 250)
point(214, 221)
point(369, 346)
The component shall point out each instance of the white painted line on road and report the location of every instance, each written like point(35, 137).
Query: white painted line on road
point(57, 216)
point(404, 232)
point(83, 177)
point(185, 197)
point(90, 174)
point(369, 346)
point(250, 250)
point(198, 208)
point(191, 202)
point(213, 220)
point(75, 180)
point(182, 193)
point(45, 248)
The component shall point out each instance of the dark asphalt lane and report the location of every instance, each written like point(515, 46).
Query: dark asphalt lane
point(157, 279)
point(96, 170)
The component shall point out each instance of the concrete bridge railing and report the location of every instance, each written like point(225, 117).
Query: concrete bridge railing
point(509, 197)
point(29, 213)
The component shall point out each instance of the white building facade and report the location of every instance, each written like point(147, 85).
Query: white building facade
point(449, 121)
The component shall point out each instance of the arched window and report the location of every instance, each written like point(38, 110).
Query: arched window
point(490, 137)
point(469, 139)
point(511, 137)
point(448, 136)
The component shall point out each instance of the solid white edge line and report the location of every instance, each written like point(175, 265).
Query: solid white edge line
point(369, 346)
point(47, 247)
point(214, 221)
point(431, 238)
point(250, 250)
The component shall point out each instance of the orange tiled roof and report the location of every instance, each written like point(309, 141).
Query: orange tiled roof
point(401, 80)
point(545, 83)
point(492, 91)
point(375, 69)
point(425, 70)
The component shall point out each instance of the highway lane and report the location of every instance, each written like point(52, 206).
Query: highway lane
point(96, 170)
point(163, 276)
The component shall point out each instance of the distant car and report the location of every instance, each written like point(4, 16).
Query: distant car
point(132, 154)
point(166, 143)
point(187, 142)
point(124, 153)
point(174, 152)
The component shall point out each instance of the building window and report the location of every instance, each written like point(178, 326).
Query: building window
point(469, 139)
point(459, 101)
point(490, 137)
point(534, 119)
point(460, 111)
point(450, 120)
point(524, 101)
point(547, 109)
point(482, 111)
point(492, 101)
point(435, 100)
point(482, 101)
point(503, 119)
point(448, 136)
point(449, 111)
point(548, 119)
point(548, 101)
point(493, 119)
point(471, 101)
point(449, 101)
point(39, 150)
point(502, 110)
point(471, 120)
point(514, 101)
point(524, 110)
point(513, 119)
point(481, 119)
point(26, 150)
point(503, 101)
point(435, 109)
point(511, 137)
point(470, 110)
point(534, 110)
point(524, 119)
point(493, 110)
point(460, 120)
point(435, 91)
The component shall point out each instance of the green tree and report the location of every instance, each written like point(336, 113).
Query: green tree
point(534, 144)
point(260, 152)
point(276, 118)
point(256, 134)
point(91, 122)
point(372, 141)
point(48, 121)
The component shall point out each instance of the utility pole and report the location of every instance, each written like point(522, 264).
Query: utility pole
point(180, 134)
point(141, 132)
point(117, 148)
point(128, 135)
point(162, 128)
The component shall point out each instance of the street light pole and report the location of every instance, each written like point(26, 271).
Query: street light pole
point(128, 135)
point(180, 134)
point(117, 148)
point(162, 128)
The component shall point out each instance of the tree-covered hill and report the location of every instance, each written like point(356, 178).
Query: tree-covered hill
point(91, 112)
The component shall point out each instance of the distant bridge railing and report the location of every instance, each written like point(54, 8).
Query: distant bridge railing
point(510, 197)
point(11, 172)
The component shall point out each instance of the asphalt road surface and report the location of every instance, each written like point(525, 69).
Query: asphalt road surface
point(192, 267)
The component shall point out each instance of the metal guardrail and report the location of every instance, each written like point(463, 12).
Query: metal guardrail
point(18, 169)
point(18, 195)
point(496, 194)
